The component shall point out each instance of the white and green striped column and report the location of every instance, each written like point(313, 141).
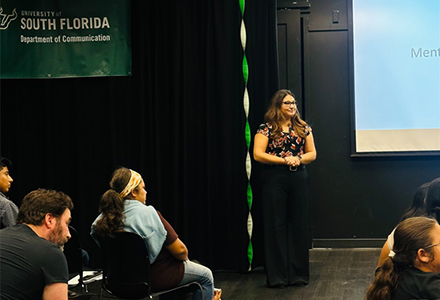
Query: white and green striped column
point(250, 253)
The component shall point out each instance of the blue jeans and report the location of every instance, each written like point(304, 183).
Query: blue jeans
point(202, 275)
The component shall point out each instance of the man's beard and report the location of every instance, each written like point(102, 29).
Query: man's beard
point(57, 237)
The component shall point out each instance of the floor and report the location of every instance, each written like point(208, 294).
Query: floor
point(334, 274)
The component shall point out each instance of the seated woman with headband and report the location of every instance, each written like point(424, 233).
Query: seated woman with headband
point(122, 208)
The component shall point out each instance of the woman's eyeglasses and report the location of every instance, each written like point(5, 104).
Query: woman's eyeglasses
point(431, 246)
point(288, 103)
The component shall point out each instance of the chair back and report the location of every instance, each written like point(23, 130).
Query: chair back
point(126, 268)
point(73, 253)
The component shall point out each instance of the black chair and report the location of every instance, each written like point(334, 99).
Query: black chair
point(74, 256)
point(126, 269)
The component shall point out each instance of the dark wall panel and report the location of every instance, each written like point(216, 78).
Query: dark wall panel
point(352, 197)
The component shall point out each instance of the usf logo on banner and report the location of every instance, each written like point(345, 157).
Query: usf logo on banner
point(64, 38)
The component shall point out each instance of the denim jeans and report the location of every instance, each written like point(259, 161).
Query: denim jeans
point(202, 275)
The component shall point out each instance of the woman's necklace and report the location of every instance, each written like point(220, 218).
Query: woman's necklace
point(286, 126)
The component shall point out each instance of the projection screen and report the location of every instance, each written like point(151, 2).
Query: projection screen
point(396, 76)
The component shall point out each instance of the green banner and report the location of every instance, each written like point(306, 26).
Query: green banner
point(64, 38)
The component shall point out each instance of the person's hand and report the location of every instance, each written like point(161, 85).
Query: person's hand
point(292, 161)
point(217, 294)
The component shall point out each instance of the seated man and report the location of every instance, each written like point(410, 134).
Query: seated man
point(8, 210)
point(32, 263)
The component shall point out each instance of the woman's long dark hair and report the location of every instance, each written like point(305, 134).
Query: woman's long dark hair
point(411, 235)
point(418, 207)
point(433, 199)
point(111, 205)
point(274, 115)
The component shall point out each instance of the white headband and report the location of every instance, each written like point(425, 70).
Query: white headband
point(135, 180)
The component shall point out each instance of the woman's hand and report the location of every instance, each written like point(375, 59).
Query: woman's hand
point(292, 161)
point(260, 144)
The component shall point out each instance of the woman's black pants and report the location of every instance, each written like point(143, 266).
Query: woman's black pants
point(285, 203)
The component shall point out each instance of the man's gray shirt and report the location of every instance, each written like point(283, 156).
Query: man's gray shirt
point(8, 212)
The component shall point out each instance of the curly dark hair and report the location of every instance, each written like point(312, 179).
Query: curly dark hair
point(4, 162)
point(37, 204)
point(111, 208)
point(111, 205)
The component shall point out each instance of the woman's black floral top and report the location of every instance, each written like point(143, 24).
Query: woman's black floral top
point(289, 144)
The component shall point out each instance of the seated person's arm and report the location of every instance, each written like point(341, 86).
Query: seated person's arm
point(55, 291)
point(178, 249)
point(383, 254)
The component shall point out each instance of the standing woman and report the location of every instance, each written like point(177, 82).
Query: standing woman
point(285, 145)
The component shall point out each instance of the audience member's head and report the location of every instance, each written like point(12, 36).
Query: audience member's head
point(47, 209)
point(414, 241)
point(4, 162)
point(125, 184)
point(5, 178)
point(418, 206)
point(433, 199)
point(124, 181)
point(412, 237)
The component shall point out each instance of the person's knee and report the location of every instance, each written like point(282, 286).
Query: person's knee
point(207, 273)
point(211, 276)
point(204, 273)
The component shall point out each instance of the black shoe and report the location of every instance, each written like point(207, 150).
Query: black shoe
point(299, 283)
point(277, 286)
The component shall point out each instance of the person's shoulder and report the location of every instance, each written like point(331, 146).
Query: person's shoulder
point(266, 124)
point(149, 208)
point(307, 129)
point(16, 229)
point(52, 248)
point(134, 209)
point(428, 282)
point(264, 128)
point(6, 201)
point(414, 272)
point(24, 234)
point(133, 205)
point(47, 251)
point(3, 198)
point(421, 285)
